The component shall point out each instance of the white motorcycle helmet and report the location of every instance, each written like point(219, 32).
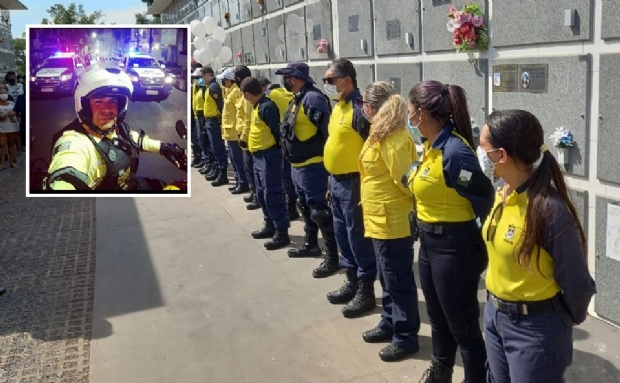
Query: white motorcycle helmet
point(108, 82)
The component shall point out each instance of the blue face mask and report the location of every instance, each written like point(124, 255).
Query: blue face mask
point(415, 132)
point(201, 82)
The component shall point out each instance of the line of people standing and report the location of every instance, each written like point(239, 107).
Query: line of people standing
point(359, 182)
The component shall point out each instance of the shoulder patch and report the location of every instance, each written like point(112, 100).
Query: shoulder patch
point(62, 147)
point(464, 178)
point(316, 116)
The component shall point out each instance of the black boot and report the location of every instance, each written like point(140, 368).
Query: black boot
point(347, 291)
point(252, 206)
point(222, 179)
point(293, 214)
point(330, 265)
point(213, 174)
point(267, 231)
point(2, 290)
point(230, 189)
point(310, 248)
point(208, 168)
point(197, 162)
point(376, 335)
point(393, 353)
point(363, 302)
point(279, 240)
point(249, 198)
point(240, 189)
point(438, 373)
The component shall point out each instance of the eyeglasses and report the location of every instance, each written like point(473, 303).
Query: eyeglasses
point(330, 80)
point(360, 102)
point(495, 217)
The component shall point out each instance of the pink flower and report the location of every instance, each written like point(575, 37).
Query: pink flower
point(477, 21)
point(457, 40)
point(465, 18)
point(453, 10)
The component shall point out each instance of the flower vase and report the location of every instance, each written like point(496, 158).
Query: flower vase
point(563, 155)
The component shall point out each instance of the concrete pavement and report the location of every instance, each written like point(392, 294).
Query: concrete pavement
point(183, 293)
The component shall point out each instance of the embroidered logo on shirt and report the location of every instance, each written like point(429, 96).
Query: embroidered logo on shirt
point(464, 178)
point(510, 233)
point(425, 172)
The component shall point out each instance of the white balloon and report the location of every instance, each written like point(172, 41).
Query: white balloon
point(199, 42)
point(225, 55)
point(205, 56)
point(219, 34)
point(216, 64)
point(196, 54)
point(199, 30)
point(193, 23)
point(214, 46)
point(209, 23)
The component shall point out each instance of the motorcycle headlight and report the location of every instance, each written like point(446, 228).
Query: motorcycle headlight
point(33, 78)
point(134, 78)
point(168, 80)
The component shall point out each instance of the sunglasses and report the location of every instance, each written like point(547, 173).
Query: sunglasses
point(495, 217)
point(330, 80)
point(360, 102)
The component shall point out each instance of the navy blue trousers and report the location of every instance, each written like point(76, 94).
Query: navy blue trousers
point(356, 251)
point(528, 348)
point(236, 158)
point(311, 188)
point(400, 314)
point(450, 267)
point(203, 141)
point(268, 178)
point(193, 131)
point(248, 160)
point(287, 181)
point(214, 130)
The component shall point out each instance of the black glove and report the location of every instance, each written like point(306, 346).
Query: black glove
point(243, 144)
point(175, 154)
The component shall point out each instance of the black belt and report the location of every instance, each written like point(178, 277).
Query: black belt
point(523, 308)
point(446, 227)
point(347, 176)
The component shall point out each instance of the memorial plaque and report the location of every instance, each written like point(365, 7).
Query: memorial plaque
point(395, 81)
point(353, 23)
point(533, 78)
point(393, 29)
point(506, 78)
point(316, 32)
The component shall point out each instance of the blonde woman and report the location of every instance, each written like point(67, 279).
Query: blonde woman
point(385, 157)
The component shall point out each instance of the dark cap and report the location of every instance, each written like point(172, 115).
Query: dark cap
point(296, 69)
point(207, 70)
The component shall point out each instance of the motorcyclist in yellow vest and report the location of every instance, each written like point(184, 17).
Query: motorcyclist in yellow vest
point(282, 98)
point(304, 132)
point(198, 90)
point(97, 151)
point(244, 117)
point(229, 131)
point(348, 129)
point(263, 142)
point(212, 110)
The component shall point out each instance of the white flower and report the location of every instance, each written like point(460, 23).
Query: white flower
point(452, 25)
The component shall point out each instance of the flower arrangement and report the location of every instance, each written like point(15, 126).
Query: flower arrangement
point(562, 138)
point(322, 46)
point(467, 26)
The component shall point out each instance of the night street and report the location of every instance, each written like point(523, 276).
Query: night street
point(157, 119)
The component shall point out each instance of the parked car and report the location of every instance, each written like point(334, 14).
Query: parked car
point(179, 73)
point(58, 74)
point(148, 77)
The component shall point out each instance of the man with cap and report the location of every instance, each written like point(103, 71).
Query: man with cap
point(303, 135)
point(212, 109)
point(244, 119)
point(282, 98)
point(198, 91)
point(229, 130)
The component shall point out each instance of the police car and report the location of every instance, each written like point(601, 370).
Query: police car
point(58, 74)
point(147, 76)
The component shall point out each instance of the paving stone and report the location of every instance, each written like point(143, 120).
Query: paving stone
point(47, 264)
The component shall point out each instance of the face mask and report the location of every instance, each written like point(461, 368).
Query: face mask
point(331, 92)
point(488, 166)
point(4, 96)
point(413, 129)
point(287, 86)
point(201, 82)
point(11, 81)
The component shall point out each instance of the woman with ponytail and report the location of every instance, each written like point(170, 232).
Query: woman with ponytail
point(385, 156)
point(451, 195)
point(538, 282)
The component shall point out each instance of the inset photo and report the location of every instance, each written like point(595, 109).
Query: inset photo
point(108, 110)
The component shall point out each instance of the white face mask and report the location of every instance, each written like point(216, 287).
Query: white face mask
point(4, 96)
point(488, 166)
point(331, 92)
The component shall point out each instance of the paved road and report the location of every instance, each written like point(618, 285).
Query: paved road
point(157, 119)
